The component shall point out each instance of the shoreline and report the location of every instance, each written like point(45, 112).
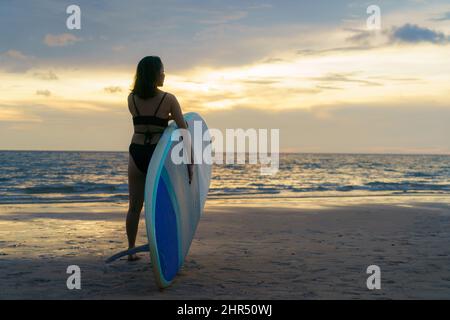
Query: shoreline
point(256, 200)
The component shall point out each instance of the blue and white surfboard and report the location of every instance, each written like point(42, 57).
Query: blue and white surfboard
point(173, 206)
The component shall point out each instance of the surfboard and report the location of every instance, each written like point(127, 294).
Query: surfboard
point(173, 206)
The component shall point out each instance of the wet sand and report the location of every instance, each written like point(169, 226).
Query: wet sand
point(260, 249)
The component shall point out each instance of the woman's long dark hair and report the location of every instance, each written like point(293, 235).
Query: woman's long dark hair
point(147, 74)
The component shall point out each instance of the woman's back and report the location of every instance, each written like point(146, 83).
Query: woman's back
point(158, 106)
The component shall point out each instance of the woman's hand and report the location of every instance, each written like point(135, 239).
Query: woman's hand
point(190, 167)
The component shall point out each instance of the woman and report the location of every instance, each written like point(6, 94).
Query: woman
point(151, 109)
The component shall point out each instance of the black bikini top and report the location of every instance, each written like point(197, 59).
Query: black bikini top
point(150, 120)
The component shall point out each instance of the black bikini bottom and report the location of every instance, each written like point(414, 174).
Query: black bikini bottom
point(141, 155)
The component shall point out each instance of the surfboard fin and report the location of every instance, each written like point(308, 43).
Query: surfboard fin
point(124, 253)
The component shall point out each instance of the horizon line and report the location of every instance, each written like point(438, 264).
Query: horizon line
point(282, 152)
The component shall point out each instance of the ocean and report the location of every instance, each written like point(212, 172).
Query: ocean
point(70, 176)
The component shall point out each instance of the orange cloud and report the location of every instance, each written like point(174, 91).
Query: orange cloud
point(60, 40)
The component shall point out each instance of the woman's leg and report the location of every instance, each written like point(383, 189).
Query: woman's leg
point(136, 186)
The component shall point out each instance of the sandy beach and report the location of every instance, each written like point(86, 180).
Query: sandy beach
point(312, 248)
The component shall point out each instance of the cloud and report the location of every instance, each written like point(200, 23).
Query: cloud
point(366, 39)
point(15, 61)
point(261, 82)
point(407, 33)
point(44, 93)
point(361, 37)
point(411, 33)
point(445, 17)
point(261, 6)
point(328, 88)
point(60, 40)
point(274, 60)
point(219, 18)
point(15, 54)
point(314, 52)
point(48, 75)
point(14, 114)
point(113, 89)
point(344, 77)
point(118, 48)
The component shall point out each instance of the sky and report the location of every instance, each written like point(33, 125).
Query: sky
point(312, 69)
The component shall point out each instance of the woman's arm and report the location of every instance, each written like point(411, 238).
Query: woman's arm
point(130, 101)
point(176, 114)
